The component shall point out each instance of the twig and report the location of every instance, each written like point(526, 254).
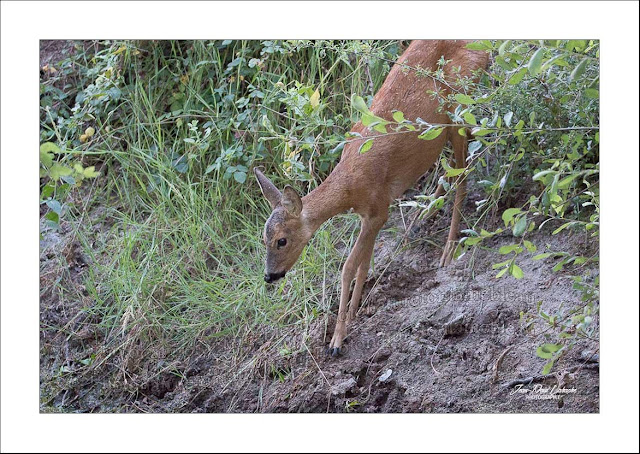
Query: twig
point(316, 363)
point(434, 352)
point(498, 362)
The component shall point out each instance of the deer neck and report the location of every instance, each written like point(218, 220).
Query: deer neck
point(326, 201)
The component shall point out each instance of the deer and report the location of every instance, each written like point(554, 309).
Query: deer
point(368, 183)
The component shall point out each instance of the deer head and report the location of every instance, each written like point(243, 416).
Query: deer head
point(285, 233)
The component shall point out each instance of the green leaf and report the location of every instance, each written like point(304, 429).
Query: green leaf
point(53, 217)
point(516, 272)
point(558, 266)
point(454, 172)
point(504, 250)
point(501, 273)
point(369, 119)
point(530, 246)
point(358, 104)
point(90, 172)
point(476, 46)
point(472, 241)
point(577, 44)
point(46, 153)
point(557, 60)
point(565, 182)
point(47, 190)
point(469, 118)
point(380, 127)
point(398, 116)
point(451, 171)
point(536, 62)
point(520, 226)
point(46, 159)
point(503, 47)
point(509, 213)
point(578, 70)
point(546, 351)
point(474, 146)
point(517, 77)
point(431, 134)
point(314, 100)
point(592, 93)
point(562, 227)
point(49, 147)
point(54, 205)
point(57, 171)
point(366, 146)
point(240, 177)
point(464, 99)
point(495, 266)
point(479, 132)
point(547, 368)
point(539, 175)
point(507, 118)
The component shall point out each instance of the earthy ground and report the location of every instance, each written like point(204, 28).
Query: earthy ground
point(451, 338)
point(427, 339)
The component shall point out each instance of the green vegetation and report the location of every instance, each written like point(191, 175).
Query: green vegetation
point(147, 146)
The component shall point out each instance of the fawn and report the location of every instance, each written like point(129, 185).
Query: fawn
point(369, 182)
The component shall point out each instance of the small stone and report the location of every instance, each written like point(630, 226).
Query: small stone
point(384, 377)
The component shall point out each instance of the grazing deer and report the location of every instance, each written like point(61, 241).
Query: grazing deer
point(369, 182)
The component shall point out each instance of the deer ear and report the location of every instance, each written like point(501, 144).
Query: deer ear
point(291, 201)
point(269, 190)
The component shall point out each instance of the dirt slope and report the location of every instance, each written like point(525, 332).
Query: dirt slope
point(438, 331)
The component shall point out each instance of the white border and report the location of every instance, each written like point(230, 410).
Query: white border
point(615, 23)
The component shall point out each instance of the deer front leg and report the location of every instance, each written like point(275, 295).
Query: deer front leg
point(340, 331)
point(358, 261)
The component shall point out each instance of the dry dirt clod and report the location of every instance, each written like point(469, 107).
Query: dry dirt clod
point(431, 284)
point(455, 327)
point(343, 387)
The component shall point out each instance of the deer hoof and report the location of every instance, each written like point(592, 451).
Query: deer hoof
point(333, 351)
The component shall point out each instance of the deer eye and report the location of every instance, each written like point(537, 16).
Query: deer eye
point(282, 242)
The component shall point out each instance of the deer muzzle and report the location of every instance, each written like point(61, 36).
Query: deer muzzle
point(273, 277)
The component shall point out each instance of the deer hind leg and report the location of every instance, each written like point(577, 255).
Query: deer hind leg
point(357, 265)
point(459, 144)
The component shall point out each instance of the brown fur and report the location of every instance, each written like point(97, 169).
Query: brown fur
point(369, 182)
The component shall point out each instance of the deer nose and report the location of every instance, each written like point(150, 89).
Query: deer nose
point(272, 277)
